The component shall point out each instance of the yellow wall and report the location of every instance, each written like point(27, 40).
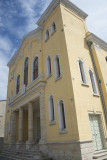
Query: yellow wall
point(69, 42)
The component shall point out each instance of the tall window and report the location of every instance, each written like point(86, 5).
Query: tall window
point(51, 109)
point(53, 27)
point(93, 82)
point(26, 71)
point(82, 71)
point(18, 84)
point(57, 67)
point(35, 68)
point(10, 125)
point(48, 65)
point(106, 58)
point(46, 34)
point(62, 120)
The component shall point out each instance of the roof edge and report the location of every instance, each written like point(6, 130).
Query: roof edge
point(93, 38)
point(27, 36)
point(66, 3)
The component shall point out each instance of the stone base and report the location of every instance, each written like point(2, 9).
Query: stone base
point(29, 144)
point(73, 150)
point(19, 145)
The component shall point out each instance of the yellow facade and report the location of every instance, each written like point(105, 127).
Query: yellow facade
point(69, 42)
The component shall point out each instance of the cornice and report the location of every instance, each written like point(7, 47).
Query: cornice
point(38, 85)
point(66, 3)
point(93, 38)
point(26, 37)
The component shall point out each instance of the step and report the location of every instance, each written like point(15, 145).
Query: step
point(100, 151)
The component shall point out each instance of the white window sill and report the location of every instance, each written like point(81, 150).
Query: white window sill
point(46, 39)
point(53, 32)
point(84, 84)
point(49, 76)
point(96, 95)
point(63, 131)
point(58, 78)
point(52, 122)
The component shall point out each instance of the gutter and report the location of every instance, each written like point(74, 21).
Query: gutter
point(98, 80)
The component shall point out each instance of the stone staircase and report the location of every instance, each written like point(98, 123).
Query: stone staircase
point(19, 154)
point(100, 155)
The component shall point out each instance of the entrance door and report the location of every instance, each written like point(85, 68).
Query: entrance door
point(96, 132)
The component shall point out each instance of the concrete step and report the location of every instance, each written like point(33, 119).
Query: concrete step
point(15, 154)
point(100, 155)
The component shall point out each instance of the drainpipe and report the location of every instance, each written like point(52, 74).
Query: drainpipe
point(98, 80)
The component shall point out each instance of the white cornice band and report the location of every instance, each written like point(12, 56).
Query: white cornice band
point(93, 38)
point(66, 3)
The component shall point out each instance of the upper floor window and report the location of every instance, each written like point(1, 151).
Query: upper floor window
point(26, 71)
point(51, 109)
point(62, 119)
point(93, 82)
point(46, 34)
point(18, 84)
point(106, 59)
point(82, 71)
point(53, 27)
point(35, 68)
point(48, 66)
point(7, 130)
point(57, 66)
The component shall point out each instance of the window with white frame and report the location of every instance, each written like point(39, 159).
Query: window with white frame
point(93, 82)
point(82, 71)
point(47, 34)
point(62, 118)
point(18, 84)
point(48, 66)
point(7, 130)
point(26, 71)
point(53, 27)
point(35, 68)
point(51, 109)
point(57, 66)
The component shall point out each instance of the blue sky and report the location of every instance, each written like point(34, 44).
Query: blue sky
point(18, 17)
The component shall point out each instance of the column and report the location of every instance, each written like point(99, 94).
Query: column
point(13, 128)
point(42, 119)
point(30, 122)
point(20, 125)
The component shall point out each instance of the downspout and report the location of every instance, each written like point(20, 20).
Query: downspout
point(98, 80)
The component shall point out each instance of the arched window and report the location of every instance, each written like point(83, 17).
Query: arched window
point(26, 71)
point(53, 27)
point(46, 34)
point(93, 82)
point(57, 67)
point(62, 120)
point(51, 109)
point(18, 84)
point(35, 68)
point(82, 71)
point(48, 65)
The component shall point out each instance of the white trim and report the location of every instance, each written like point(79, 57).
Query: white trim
point(60, 118)
point(50, 109)
point(36, 55)
point(53, 30)
point(16, 83)
point(79, 60)
point(46, 36)
point(94, 81)
point(53, 5)
point(47, 66)
point(27, 56)
point(29, 99)
point(38, 85)
point(56, 66)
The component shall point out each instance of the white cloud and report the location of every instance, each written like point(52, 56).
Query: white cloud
point(5, 44)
